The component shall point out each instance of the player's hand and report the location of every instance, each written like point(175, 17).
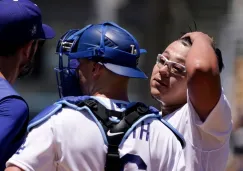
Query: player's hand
point(198, 36)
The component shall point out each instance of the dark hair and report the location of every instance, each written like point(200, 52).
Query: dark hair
point(186, 41)
point(10, 49)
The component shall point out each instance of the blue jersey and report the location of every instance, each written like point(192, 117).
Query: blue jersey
point(14, 114)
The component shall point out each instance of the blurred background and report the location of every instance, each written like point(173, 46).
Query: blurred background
point(155, 23)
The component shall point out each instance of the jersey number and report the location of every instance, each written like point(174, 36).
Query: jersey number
point(135, 159)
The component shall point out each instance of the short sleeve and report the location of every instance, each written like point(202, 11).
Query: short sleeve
point(38, 151)
point(216, 129)
point(14, 114)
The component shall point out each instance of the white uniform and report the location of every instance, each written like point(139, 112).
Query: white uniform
point(71, 141)
point(207, 143)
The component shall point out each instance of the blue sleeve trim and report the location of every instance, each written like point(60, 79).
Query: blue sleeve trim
point(44, 115)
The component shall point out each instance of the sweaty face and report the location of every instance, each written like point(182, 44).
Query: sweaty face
point(168, 81)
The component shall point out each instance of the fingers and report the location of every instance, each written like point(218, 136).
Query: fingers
point(186, 35)
point(197, 35)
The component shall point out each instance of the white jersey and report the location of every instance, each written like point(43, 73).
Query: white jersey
point(71, 141)
point(207, 143)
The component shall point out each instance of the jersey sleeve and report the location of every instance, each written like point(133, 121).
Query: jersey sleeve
point(38, 152)
point(13, 116)
point(216, 129)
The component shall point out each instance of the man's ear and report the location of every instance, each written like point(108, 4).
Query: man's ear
point(97, 69)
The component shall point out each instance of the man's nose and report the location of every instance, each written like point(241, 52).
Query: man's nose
point(164, 70)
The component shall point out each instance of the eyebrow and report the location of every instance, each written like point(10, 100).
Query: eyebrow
point(166, 52)
point(185, 42)
point(180, 60)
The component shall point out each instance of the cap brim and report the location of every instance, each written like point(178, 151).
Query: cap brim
point(125, 71)
point(48, 32)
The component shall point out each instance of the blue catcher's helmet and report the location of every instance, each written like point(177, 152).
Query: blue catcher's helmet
point(106, 43)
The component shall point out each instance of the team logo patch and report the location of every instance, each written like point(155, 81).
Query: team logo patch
point(134, 52)
point(33, 30)
point(21, 148)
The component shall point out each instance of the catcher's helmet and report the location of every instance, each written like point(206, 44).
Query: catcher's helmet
point(106, 43)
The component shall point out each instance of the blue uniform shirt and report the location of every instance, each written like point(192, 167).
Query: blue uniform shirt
point(14, 116)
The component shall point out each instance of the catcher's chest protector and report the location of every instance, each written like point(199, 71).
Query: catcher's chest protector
point(124, 123)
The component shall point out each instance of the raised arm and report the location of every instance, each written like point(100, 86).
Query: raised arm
point(13, 168)
point(203, 76)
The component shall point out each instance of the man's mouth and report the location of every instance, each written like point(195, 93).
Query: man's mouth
point(163, 83)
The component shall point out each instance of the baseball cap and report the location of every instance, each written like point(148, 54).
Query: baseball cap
point(21, 21)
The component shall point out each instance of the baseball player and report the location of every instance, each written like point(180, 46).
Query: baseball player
point(21, 29)
point(186, 80)
point(102, 130)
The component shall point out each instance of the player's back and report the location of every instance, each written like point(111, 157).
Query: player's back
point(76, 143)
point(82, 146)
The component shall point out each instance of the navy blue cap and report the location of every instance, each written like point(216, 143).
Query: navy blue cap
point(21, 21)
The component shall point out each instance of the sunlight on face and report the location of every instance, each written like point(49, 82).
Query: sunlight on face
point(166, 86)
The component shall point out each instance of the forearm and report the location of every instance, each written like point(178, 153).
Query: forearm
point(13, 168)
point(203, 76)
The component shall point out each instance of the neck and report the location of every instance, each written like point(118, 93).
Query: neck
point(8, 69)
point(117, 95)
point(168, 109)
point(116, 87)
point(117, 91)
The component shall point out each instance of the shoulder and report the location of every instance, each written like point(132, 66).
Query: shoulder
point(160, 130)
point(69, 115)
point(56, 114)
point(14, 107)
point(180, 115)
point(64, 111)
point(69, 119)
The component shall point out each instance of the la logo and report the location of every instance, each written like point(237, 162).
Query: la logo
point(133, 51)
